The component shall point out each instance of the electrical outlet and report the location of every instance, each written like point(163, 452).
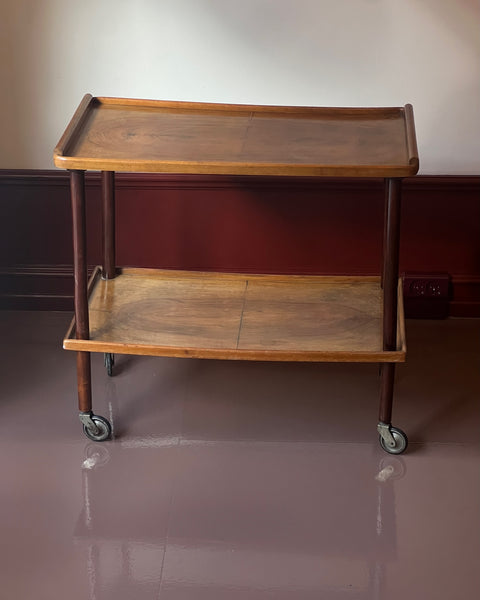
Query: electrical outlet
point(426, 295)
point(424, 287)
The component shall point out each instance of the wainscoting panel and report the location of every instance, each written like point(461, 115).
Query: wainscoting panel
point(269, 225)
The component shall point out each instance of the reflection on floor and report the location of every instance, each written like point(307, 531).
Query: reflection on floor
point(238, 480)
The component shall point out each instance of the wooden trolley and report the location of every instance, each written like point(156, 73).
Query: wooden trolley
point(232, 316)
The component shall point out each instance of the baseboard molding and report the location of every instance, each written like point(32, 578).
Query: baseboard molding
point(36, 287)
point(465, 300)
point(50, 287)
point(236, 223)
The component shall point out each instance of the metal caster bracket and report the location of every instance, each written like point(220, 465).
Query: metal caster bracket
point(88, 422)
point(385, 433)
point(109, 361)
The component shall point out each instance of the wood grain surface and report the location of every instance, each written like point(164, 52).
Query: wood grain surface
point(227, 316)
point(117, 134)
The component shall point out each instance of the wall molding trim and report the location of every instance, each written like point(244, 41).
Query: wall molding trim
point(465, 298)
point(221, 223)
point(49, 287)
point(57, 177)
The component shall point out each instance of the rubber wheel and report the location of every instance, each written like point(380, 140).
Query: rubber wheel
point(401, 441)
point(109, 360)
point(105, 429)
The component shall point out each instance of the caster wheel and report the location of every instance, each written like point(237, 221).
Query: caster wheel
point(104, 429)
point(401, 441)
point(109, 361)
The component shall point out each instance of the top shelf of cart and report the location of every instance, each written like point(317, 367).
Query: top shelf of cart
point(118, 134)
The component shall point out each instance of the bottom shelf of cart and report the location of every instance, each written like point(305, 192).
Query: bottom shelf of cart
point(237, 316)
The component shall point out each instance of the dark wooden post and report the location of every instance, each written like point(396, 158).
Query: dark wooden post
point(108, 216)
point(391, 258)
point(390, 292)
point(82, 328)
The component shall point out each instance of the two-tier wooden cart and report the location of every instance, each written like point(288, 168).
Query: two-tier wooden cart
point(233, 316)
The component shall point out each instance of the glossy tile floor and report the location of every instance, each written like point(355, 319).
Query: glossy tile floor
point(238, 480)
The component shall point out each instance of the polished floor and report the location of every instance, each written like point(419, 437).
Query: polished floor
point(231, 480)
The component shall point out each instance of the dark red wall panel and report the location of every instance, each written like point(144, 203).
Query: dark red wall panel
point(254, 225)
point(271, 225)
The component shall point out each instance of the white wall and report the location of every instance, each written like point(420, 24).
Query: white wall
point(306, 52)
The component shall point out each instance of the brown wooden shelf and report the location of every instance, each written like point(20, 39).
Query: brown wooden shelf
point(118, 134)
point(235, 316)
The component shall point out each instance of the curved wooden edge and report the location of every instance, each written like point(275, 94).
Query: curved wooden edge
point(71, 129)
point(401, 334)
point(411, 139)
point(234, 354)
point(234, 168)
point(298, 110)
point(176, 274)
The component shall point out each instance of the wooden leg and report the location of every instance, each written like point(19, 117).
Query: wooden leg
point(77, 187)
point(84, 382)
point(96, 428)
point(108, 215)
point(391, 254)
point(390, 284)
point(392, 439)
point(385, 232)
point(82, 328)
point(386, 393)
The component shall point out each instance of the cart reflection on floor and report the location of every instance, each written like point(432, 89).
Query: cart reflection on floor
point(288, 534)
